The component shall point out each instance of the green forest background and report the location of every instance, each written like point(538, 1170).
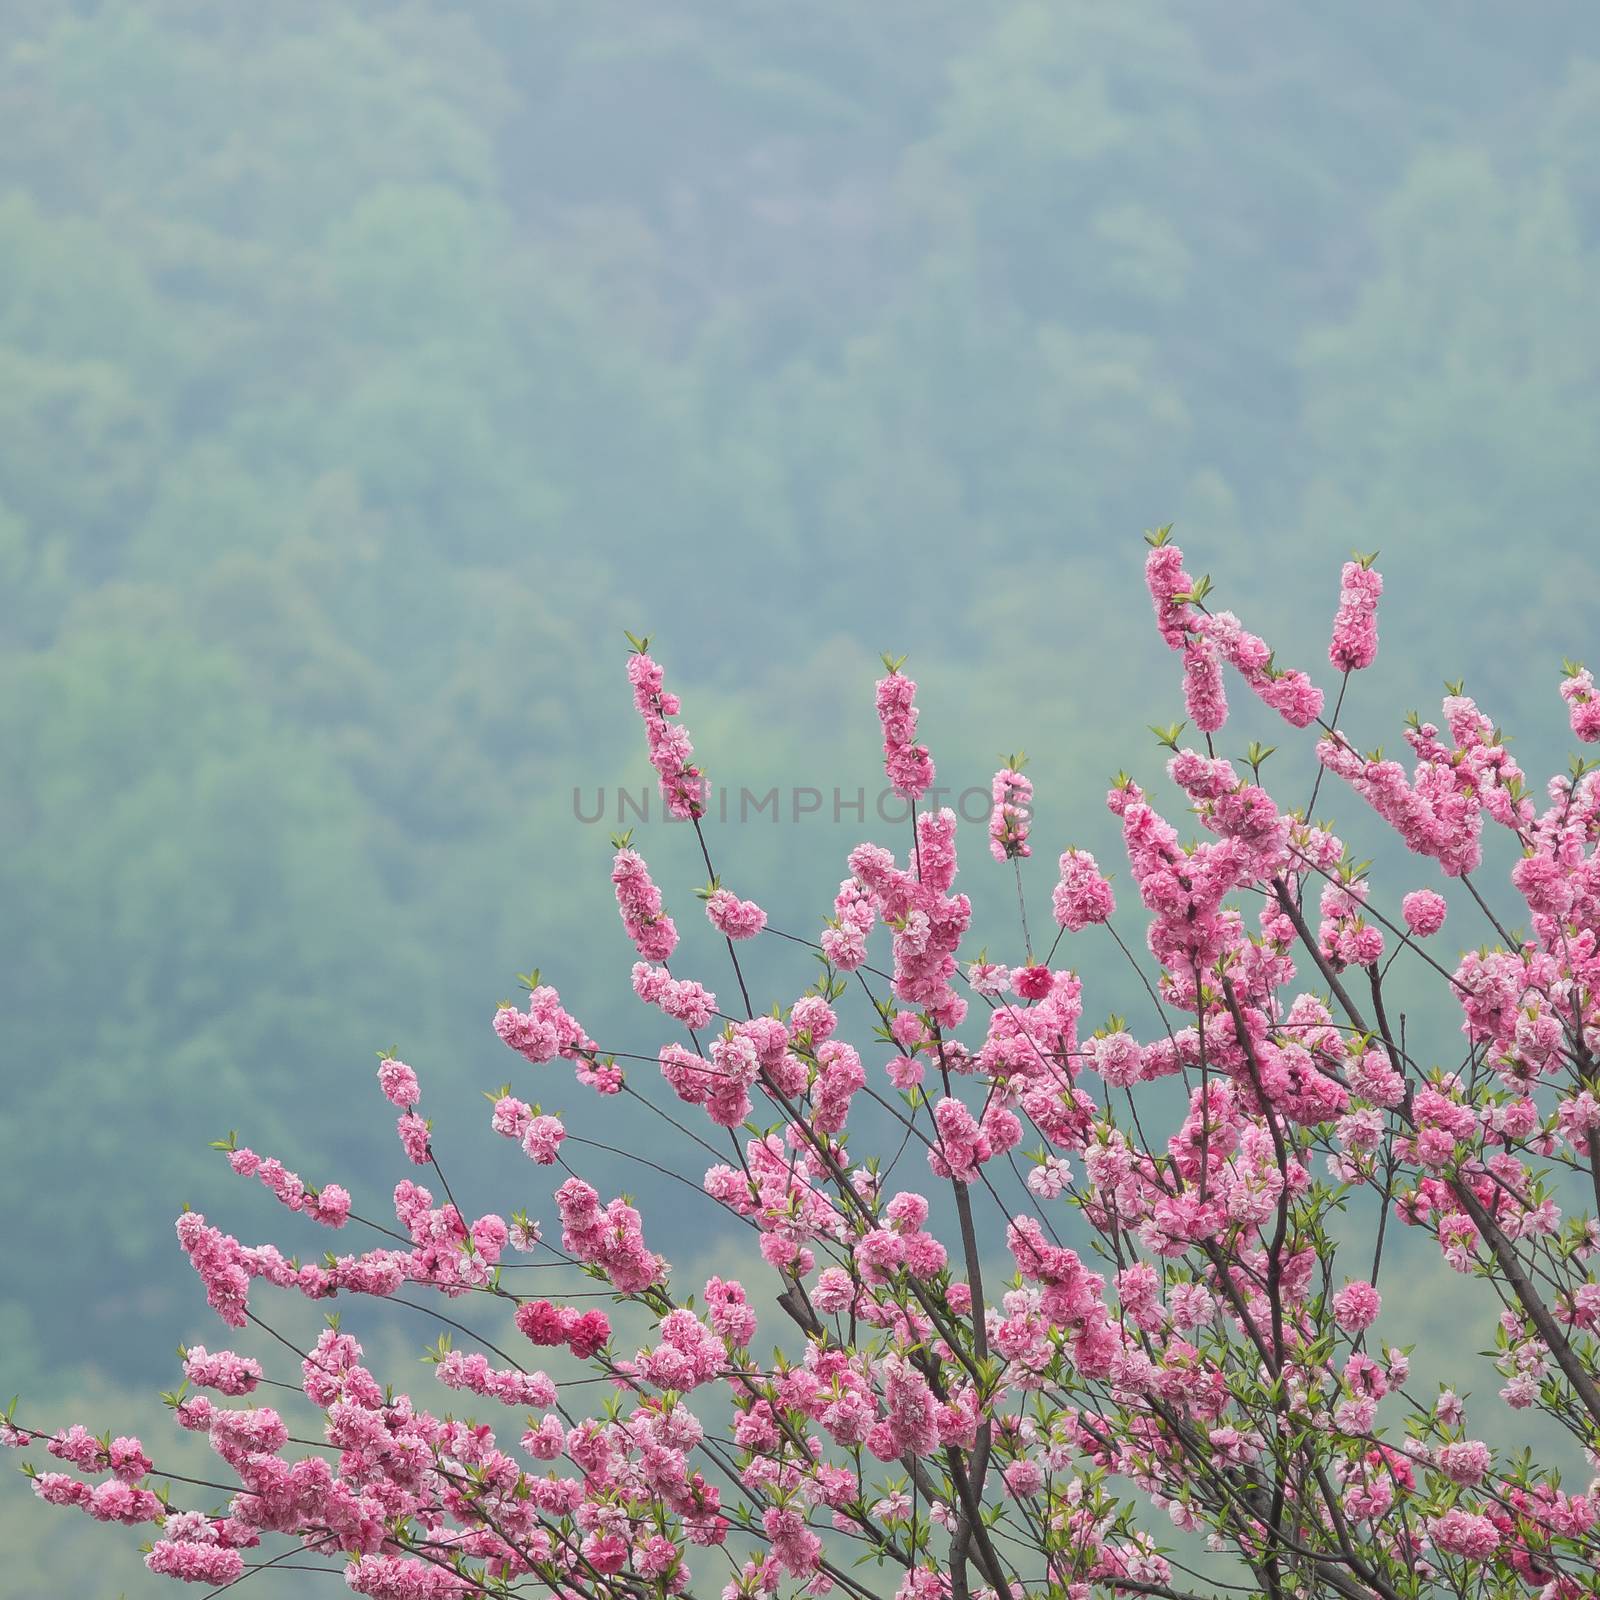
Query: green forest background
point(366, 367)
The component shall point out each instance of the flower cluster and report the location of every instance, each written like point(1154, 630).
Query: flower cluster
point(732, 917)
point(546, 1030)
point(927, 920)
point(329, 1205)
point(653, 932)
point(907, 764)
point(1012, 815)
point(223, 1370)
point(539, 1134)
point(1583, 704)
point(1082, 896)
point(683, 785)
point(1355, 624)
point(1207, 639)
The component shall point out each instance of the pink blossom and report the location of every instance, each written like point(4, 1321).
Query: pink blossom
point(1012, 815)
point(542, 1139)
point(1583, 704)
point(195, 1563)
point(907, 764)
point(683, 784)
point(1083, 896)
point(330, 1205)
point(1424, 912)
point(1031, 983)
point(1355, 624)
point(638, 899)
point(1466, 1462)
point(413, 1131)
point(1356, 1306)
point(734, 918)
point(221, 1370)
point(680, 998)
point(1204, 697)
point(398, 1082)
point(1459, 1532)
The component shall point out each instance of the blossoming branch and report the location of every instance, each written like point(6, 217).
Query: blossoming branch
point(1181, 1340)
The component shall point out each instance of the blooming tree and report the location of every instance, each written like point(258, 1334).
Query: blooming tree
point(1026, 1377)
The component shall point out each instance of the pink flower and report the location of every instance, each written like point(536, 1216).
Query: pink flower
point(542, 1139)
point(511, 1116)
point(542, 1322)
point(1204, 696)
point(77, 1446)
point(1355, 624)
point(1424, 912)
point(834, 1291)
point(223, 1371)
point(962, 1145)
point(329, 1206)
point(795, 1546)
point(1012, 815)
point(729, 1311)
point(1290, 693)
point(814, 1018)
point(195, 1563)
point(1465, 1462)
point(1583, 704)
point(1031, 983)
point(907, 764)
point(459, 1370)
point(1356, 1306)
point(1118, 1059)
point(583, 1332)
point(906, 1072)
point(680, 998)
point(544, 1031)
point(844, 940)
point(734, 918)
point(403, 1578)
point(1464, 1533)
point(1083, 896)
point(413, 1131)
point(1166, 580)
point(653, 933)
point(683, 785)
point(219, 1260)
point(608, 1237)
point(588, 1334)
point(607, 1553)
point(398, 1082)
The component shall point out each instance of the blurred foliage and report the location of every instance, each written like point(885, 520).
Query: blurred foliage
point(366, 366)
